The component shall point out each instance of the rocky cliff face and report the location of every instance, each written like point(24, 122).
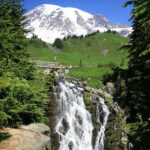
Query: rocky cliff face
point(49, 22)
point(115, 135)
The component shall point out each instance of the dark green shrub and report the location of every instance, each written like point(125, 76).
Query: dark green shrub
point(58, 43)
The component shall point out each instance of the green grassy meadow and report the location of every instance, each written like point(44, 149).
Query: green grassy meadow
point(93, 75)
point(85, 72)
point(86, 55)
point(90, 51)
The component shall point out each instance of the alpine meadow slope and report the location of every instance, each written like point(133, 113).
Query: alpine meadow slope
point(91, 57)
point(99, 49)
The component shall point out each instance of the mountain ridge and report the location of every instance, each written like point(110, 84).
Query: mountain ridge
point(49, 22)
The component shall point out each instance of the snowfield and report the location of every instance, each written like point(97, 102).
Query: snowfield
point(49, 22)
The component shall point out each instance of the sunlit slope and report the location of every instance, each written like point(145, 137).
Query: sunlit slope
point(97, 49)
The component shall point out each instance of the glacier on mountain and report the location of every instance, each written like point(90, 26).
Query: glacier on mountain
point(49, 22)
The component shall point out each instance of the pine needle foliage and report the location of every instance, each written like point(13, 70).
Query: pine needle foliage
point(22, 93)
point(136, 79)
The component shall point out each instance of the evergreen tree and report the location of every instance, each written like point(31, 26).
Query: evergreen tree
point(58, 43)
point(138, 79)
point(21, 93)
point(12, 38)
point(81, 63)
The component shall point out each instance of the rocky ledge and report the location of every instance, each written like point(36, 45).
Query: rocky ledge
point(35, 136)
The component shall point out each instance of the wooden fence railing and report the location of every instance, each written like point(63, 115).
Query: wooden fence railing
point(47, 64)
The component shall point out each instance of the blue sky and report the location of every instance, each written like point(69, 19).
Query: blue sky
point(110, 8)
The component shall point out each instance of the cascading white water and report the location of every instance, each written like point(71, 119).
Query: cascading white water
point(99, 145)
point(74, 123)
point(78, 134)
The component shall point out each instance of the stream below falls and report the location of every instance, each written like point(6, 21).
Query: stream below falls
point(74, 124)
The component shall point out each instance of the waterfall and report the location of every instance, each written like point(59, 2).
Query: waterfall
point(101, 134)
point(74, 124)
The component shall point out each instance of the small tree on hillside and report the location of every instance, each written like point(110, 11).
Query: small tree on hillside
point(108, 31)
point(34, 36)
point(80, 62)
point(58, 43)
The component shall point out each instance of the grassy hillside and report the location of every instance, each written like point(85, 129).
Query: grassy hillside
point(92, 57)
point(98, 49)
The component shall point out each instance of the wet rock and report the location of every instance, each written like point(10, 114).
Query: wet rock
point(116, 136)
point(70, 145)
point(109, 88)
point(64, 126)
point(84, 83)
point(96, 92)
point(105, 94)
point(52, 113)
point(87, 89)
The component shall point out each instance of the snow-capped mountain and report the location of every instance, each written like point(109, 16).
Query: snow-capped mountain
point(49, 22)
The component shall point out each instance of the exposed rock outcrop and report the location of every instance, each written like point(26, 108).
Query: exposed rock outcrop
point(34, 136)
point(116, 134)
point(110, 88)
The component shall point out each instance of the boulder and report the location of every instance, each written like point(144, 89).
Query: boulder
point(87, 89)
point(60, 71)
point(105, 94)
point(34, 136)
point(66, 71)
point(47, 71)
point(104, 52)
point(42, 129)
point(56, 73)
point(38, 127)
point(109, 88)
